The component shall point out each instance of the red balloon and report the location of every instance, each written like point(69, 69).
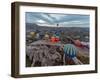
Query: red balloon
point(53, 39)
point(57, 39)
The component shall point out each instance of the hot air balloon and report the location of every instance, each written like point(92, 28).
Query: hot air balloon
point(78, 43)
point(70, 50)
point(46, 36)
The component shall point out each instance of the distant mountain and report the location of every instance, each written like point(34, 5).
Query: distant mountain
point(34, 27)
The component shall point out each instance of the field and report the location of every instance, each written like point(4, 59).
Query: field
point(41, 50)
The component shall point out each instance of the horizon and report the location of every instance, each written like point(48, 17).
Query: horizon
point(57, 26)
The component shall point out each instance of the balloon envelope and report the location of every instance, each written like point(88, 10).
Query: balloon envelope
point(70, 50)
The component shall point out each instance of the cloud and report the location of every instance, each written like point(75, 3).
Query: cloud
point(47, 18)
point(34, 17)
point(62, 19)
point(41, 21)
point(57, 17)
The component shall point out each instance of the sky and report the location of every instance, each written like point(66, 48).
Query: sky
point(64, 20)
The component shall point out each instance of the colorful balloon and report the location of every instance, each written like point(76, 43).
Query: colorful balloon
point(70, 50)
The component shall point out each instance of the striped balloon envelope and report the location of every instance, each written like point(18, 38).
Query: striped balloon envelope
point(70, 50)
